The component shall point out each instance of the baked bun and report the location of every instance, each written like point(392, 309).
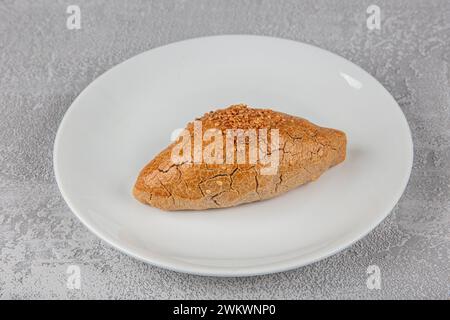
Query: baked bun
point(198, 171)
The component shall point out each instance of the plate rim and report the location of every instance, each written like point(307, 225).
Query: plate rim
point(268, 268)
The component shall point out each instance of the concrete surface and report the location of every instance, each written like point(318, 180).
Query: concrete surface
point(44, 66)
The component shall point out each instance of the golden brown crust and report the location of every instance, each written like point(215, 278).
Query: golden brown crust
point(305, 152)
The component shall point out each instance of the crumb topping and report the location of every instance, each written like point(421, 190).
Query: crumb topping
point(240, 116)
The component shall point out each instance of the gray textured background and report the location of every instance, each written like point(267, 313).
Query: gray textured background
point(44, 66)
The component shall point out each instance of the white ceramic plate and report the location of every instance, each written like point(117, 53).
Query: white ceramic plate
point(126, 116)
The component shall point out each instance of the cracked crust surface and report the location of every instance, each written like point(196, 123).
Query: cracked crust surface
point(306, 151)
